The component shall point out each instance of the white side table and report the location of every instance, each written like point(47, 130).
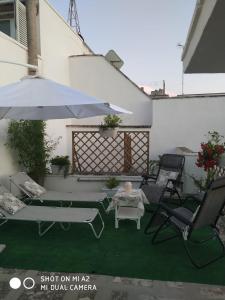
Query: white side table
point(128, 205)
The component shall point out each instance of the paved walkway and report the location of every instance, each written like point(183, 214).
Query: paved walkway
point(57, 286)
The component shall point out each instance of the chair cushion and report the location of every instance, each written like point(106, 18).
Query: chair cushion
point(164, 176)
point(153, 192)
point(188, 215)
point(10, 203)
point(34, 188)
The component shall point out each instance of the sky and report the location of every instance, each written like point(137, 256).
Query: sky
point(145, 34)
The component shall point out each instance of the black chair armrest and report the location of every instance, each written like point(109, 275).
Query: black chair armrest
point(147, 177)
point(175, 182)
point(172, 213)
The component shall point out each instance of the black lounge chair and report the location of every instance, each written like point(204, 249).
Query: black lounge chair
point(185, 222)
point(172, 166)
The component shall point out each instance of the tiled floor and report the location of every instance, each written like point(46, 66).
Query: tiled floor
point(101, 288)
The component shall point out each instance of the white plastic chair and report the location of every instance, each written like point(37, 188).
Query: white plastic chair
point(127, 210)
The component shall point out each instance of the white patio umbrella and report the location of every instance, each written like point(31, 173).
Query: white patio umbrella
point(37, 98)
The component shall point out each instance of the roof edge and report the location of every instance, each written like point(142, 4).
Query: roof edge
point(190, 96)
point(64, 21)
point(194, 22)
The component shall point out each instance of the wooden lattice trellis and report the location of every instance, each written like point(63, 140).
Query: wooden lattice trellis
point(127, 153)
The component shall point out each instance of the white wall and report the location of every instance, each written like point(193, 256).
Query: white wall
point(58, 42)
point(9, 50)
point(86, 183)
point(185, 122)
point(95, 76)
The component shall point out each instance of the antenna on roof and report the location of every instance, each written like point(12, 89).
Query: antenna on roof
point(73, 18)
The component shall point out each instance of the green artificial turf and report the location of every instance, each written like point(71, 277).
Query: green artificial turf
point(123, 252)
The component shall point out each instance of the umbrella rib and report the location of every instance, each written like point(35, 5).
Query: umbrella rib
point(70, 111)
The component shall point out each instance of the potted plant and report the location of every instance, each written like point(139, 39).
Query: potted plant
point(60, 165)
point(111, 186)
point(110, 126)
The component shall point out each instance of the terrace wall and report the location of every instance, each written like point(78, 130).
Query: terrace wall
point(95, 76)
point(185, 122)
point(178, 122)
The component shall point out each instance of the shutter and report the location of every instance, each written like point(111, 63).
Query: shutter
point(21, 23)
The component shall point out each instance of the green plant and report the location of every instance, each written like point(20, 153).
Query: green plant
point(112, 183)
point(153, 167)
point(111, 121)
point(203, 183)
point(61, 162)
point(32, 146)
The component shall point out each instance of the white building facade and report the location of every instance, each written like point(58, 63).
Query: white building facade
point(66, 58)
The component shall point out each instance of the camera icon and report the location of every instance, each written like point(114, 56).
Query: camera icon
point(28, 283)
point(15, 283)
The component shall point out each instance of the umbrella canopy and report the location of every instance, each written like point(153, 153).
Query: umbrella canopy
point(37, 98)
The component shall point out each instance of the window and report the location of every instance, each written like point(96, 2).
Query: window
point(5, 26)
point(13, 20)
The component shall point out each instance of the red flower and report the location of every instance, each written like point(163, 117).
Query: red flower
point(219, 149)
point(209, 156)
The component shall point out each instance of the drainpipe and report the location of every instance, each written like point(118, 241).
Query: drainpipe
point(31, 11)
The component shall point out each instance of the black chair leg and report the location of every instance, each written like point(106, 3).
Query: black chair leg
point(163, 226)
point(151, 221)
point(179, 197)
point(175, 192)
point(197, 264)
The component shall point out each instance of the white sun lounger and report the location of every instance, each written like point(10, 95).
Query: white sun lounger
point(53, 215)
point(20, 178)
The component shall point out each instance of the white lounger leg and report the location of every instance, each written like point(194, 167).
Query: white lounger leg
point(43, 232)
point(116, 223)
point(65, 227)
point(139, 224)
point(97, 235)
point(3, 222)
